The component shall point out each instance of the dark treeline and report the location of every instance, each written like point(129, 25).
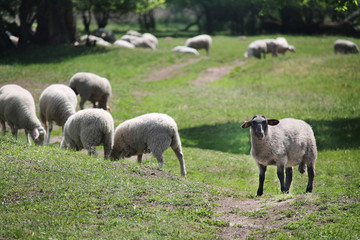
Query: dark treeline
point(55, 19)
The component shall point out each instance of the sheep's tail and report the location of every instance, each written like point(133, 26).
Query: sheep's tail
point(309, 158)
point(175, 141)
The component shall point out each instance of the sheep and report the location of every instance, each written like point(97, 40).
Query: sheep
point(151, 38)
point(283, 46)
point(56, 103)
point(271, 46)
point(17, 108)
point(152, 132)
point(124, 44)
point(139, 41)
point(105, 34)
point(255, 49)
point(94, 40)
point(200, 42)
point(285, 143)
point(183, 49)
point(91, 87)
point(345, 47)
point(87, 129)
point(133, 33)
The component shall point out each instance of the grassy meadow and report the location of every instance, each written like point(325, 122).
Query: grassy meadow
point(47, 192)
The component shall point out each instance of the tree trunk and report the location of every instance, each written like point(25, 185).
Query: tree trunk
point(55, 22)
point(27, 16)
point(102, 18)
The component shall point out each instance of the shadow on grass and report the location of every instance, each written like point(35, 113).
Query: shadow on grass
point(231, 138)
point(47, 54)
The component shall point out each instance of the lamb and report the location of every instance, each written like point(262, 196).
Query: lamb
point(285, 143)
point(87, 129)
point(200, 42)
point(91, 87)
point(56, 103)
point(283, 46)
point(345, 47)
point(17, 108)
point(183, 49)
point(152, 132)
point(256, 48)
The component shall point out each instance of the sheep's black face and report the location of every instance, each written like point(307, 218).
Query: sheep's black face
point(259, 125)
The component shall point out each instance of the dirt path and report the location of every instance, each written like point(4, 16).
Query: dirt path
point(210, 75)
point(215, 73)
point(252, 215)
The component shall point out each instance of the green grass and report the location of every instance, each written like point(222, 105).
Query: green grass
point(51, 193)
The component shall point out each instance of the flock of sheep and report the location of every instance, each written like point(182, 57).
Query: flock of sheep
point(284, 143)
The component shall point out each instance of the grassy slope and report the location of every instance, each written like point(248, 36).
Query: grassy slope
point(46, 192)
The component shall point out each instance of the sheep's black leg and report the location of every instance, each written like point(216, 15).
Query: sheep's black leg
point(280, 173)
point(289, 176)
point(262, 170)
point(311, 175)
point(180, 156)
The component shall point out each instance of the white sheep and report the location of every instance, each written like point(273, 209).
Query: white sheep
point(56, 103)
point(345, 46)
point(153, 132)
point(139, 41)
point(202, 41)
point(256, 48)
point(124, 44)
point(87, 129)
point(91, 87)
point(285, 143)
point(133, 33)
point(151, 38)
point(283, 46)
point(17, 108)
point(183, 49)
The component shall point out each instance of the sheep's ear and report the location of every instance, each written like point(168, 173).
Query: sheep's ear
point(246, 124)
point(273, 122)
point(36, 133)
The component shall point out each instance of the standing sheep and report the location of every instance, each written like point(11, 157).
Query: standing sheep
point(56, 103)
point(345, 46)
point(153, 132)
point(200, 42)
point(256, 48)
point(17, 108)
point(285, 143)
point(283, 46)
point(91, 87)
point(87, 129)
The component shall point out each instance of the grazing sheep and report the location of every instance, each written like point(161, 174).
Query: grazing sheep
point(87, 129)
point(91, 87)
point(124, 44)
point(17, 108)
point(255, 49)
point(200, 42)
point(345, 47)
point(285, 143)
point(183, 49)
point(153, 132)
point(139, 41)
point(56, 103)
point(271, 46)
point(283, 46)
point(94, 40)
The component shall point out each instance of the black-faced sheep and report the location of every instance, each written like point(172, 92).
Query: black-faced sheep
point(284, 143)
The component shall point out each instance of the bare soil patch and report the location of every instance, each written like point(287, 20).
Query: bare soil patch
point(215, 73)
point(169, 71)
point(252, 215)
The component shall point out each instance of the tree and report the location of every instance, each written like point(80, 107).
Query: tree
point(145, 10)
